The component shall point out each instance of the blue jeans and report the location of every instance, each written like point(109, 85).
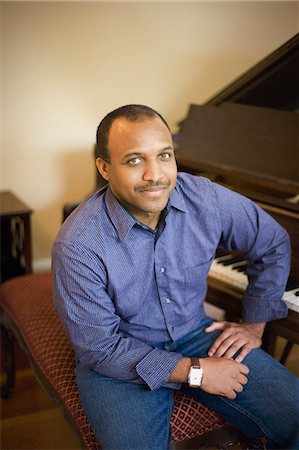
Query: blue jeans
point(128, 416)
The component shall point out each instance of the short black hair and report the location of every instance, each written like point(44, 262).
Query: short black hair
point(131, 113)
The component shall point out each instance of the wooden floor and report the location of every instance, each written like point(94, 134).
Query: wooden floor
point(31, 421)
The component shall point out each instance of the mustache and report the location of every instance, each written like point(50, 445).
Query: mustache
point(151, 185)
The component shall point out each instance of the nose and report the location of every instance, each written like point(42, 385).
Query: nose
point(152, 171)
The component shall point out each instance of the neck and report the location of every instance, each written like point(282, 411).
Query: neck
point(151, 220)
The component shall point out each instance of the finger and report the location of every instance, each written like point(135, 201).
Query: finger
point(242, 379)
point(243, 353)
point(215, 326)
point(239, 345)
point(229, 347)
point(243, 369)
point(217, 343)
point(223, 343)
point(238, 387)
point(214, 348)
point(231, 394)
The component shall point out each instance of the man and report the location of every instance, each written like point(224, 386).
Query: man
point(130, 268)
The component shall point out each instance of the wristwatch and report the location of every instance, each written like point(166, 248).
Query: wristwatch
point(195, 374)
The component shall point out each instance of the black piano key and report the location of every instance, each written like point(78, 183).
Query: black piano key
point(292, 284)
point(223, 258)
point(221, 252)
point(232, 261)
point(240, 265)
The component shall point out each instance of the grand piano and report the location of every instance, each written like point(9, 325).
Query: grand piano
point(246, 138)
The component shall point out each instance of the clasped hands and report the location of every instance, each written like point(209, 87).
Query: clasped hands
point(224, 375)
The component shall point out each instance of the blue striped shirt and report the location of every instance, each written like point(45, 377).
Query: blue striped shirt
point(121, 288)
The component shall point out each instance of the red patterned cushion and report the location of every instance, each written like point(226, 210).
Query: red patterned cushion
point(28, 301)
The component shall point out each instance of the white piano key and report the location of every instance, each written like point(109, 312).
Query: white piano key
point(291, 293)
point(291, 299)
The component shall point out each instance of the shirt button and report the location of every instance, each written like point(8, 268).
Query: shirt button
point(162, 269)
point(167, 300)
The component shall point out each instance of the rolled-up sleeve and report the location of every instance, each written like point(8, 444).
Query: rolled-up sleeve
point(89, 317)
point(266, 245)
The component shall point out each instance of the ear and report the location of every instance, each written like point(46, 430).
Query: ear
point(103, 167)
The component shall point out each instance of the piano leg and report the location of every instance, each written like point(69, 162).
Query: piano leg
point(9, 362)
point(269, 345)
point(269, 342)
point(286, 352)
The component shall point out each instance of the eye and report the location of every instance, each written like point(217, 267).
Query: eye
point(165, 155)
point(134, 161)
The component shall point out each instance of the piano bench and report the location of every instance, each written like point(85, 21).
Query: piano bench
point(27, 313)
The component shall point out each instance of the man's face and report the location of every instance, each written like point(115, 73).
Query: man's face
point(142, 170)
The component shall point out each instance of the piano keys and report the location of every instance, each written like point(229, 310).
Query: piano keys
point(231, 270)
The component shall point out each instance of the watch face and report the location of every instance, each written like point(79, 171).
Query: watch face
point(195, 376)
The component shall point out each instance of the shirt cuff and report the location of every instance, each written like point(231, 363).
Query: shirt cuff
point(256, 310)
point(156, 367)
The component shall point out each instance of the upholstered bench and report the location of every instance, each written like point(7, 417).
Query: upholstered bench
point(27, 312)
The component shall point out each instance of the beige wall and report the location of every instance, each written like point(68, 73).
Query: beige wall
point(66, 64)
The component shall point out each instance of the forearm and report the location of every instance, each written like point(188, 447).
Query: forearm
point(180, 373)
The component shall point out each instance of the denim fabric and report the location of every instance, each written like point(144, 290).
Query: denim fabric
point(128, 416)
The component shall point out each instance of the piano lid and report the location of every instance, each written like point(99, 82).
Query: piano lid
point(258, 143)
point(248, 132)
point(273, 82)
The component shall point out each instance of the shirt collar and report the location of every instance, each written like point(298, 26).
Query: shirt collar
point(177, 201)
point(123, 221)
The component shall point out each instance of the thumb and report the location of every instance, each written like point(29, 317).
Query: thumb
point(215, 326)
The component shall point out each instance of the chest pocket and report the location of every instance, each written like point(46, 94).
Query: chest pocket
point(189, 283)
point(195, 285)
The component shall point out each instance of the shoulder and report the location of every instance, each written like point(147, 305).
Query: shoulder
point(85, 221)
point(204, 189)
point(201, 194)
point(193, 186)
point(188, 181)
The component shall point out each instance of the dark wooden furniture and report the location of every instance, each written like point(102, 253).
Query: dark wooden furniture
point(246, 138)
point(15, 236)
point(16, 260)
